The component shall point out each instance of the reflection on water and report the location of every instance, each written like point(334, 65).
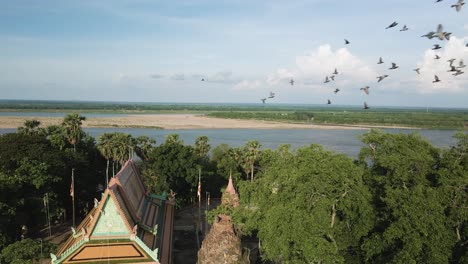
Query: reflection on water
point(342, 141)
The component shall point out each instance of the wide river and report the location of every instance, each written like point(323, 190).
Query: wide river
point(342, 141)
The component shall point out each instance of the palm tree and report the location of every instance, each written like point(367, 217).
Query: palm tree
point(173, 139)
point(143, 146)
point(73, 131)
point(201, 146)
point(29, 127)
point(252, 153)
point(105, 147)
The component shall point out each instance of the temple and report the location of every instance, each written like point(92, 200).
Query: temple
point(128, 225)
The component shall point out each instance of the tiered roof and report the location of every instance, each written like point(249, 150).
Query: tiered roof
point(128, 224)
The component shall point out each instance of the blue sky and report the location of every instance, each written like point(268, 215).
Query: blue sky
point(158, 51)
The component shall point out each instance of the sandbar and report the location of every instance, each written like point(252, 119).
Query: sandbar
point(179, 121)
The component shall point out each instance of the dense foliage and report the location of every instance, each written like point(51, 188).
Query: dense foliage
point(402, 201)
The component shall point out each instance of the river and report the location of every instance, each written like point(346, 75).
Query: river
point(342, 141)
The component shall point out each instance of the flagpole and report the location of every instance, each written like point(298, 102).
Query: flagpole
point(199, 198)
point(73, 195)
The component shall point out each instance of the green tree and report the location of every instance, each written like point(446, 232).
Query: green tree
point(27, 251)
point(411, 226)
point(30, 127)
point(73, 132)
point(202, 147)
point(251, 155)
point(452, 181)
point(311, 207)
point(106, 149)
point(143, 146)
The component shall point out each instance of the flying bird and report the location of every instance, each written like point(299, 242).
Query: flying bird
point(272, 95)
point(382, 77)
point(436, 79)
point(332, 77)
point(440, 34)
point(417, 70)
point(365, 89)
point(451, 61)
point(405, 28)
point(458, 5)
point(436, 47)
point(394, 24)
point(203, 79)
point(429, 35)
point(329, 102)
point(394, 66)
point(291, 82)
point(380, 61)
point(263, 100)
point(366, 106)
point(437, 57)
point(326, 80)
point(452, 69)
point(346, 42)
point(438, 1)
point(336, 90)
point(458, 73)
point(461, 64)
point(335, 72)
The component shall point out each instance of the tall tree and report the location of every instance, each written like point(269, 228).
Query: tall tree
point(30, 127)
point(73, 131)
point(201, 146)
point(412, 226)
point(251, 154)
point(105, 148)
point(143, 146)
point(309, 207)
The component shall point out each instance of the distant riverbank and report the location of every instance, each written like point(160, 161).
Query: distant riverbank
point(178, 121)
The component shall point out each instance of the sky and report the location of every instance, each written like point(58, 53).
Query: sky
point(158, 51)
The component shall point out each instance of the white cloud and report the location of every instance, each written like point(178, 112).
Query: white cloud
point(455, 48)
point(247, 85)
point(311, 69)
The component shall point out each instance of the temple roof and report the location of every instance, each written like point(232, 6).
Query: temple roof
point(126, 211)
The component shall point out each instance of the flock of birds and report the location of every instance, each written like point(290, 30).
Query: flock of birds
point(438, 34)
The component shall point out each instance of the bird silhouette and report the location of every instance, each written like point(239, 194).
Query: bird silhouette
point(440, 34)
point(394, 66)
point(405, 28)
point(380, 61)
point(436, 79)
point(452, 69)
point(366, 106)
point(458, 5)
point(291, 82)
point(326, 80)
point(394, 24)
point(335, 72)
point(346, 42)
point(436, 47)
point(438, 1)
point(336, 90)
point(263, 100)
point(203, 79)
point(329, 102)
point(437, 57)
point(417, 70)
point(272, 95)
point(382, 77)
point(451, 61)
point(332, 77)
point(461, 64)
point(458, 73)
point(429, 35)
point(365, 89)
